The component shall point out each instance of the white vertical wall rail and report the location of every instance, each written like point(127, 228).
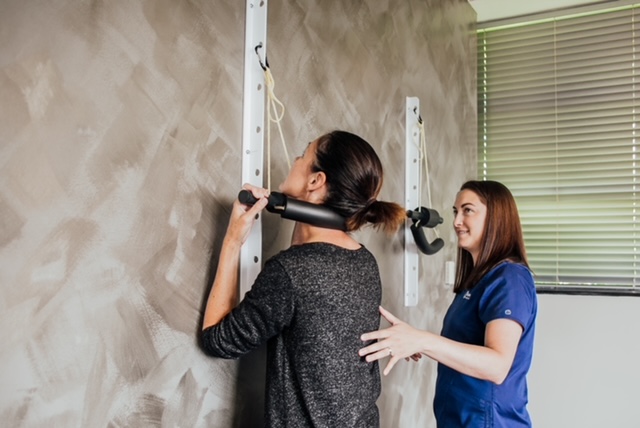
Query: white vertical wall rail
point(412, 199)
point(253, 130)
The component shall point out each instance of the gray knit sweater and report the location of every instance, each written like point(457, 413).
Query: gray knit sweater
point(311, 303)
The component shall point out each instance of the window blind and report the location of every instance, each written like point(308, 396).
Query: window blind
point(558, 124)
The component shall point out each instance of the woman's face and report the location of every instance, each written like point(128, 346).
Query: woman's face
point(295, 185)
point(469, 218)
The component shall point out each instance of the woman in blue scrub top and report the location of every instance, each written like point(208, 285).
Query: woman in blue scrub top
point(485, 348)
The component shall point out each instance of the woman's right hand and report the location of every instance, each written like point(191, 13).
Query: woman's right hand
point(398, 341)
point(243, 216)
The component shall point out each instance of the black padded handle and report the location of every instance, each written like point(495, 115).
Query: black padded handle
point(277, 201)
point(425, 217)
point(422, 243)
point(302, 211)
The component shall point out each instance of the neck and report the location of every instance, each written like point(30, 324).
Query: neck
point(304, 234)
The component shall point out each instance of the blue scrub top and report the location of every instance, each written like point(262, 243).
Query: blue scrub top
point(507, 291)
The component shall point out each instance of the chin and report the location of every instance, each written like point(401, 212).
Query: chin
point(465, 248)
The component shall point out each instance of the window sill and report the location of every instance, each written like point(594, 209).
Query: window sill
point(588, 291)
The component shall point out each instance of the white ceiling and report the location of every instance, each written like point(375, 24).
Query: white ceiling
point(489, 10)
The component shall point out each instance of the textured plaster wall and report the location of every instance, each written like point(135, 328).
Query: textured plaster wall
point(120, 141)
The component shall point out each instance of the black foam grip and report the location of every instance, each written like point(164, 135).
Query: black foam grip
point(246, 197)
point(276, 204)
point(302, 211)
point(425, 217)
point(422, 243)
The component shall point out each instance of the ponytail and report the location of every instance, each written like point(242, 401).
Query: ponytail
point(387, 216)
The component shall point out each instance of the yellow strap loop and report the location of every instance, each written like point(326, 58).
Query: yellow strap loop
point(273, 115)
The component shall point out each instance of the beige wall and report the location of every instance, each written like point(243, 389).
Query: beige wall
point(584, 372)
point(120, 140)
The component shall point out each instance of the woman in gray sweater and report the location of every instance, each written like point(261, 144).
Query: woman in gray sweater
point(312, 301)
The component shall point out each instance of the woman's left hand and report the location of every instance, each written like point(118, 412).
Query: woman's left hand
point(398, 341)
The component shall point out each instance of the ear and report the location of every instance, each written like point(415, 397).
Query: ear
point(316, 180)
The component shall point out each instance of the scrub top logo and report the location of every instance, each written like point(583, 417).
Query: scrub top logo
point(507, 312)
point(467, 295)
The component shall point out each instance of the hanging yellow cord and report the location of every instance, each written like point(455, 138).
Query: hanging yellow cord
point(422, 148)
point(272, 113)
point(273, 116)
point(273, 103)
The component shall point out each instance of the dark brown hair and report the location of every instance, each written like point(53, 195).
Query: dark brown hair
point(501, 239)
point(354, 179)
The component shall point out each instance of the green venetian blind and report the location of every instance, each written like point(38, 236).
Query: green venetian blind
point(558, 123)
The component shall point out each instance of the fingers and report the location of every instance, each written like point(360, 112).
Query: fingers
point(380, 350)
point(384, 333)
point(258, 192)
point(242, 219)
point(392, 362)
point(389, 316)
point(374, 352)
point(251, 210)
point(258, 206)
point(399, 337)
point(375, 335)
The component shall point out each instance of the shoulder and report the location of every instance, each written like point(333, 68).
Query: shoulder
point(509, 272)
point(309, 262)
point(509, 278)
point(321, 251)
point(508, 291)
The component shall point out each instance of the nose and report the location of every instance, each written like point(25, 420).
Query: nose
point(457, 219)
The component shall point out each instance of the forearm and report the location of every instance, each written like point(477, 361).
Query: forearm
point(490, 361)
point(223, 296)
point(480, 362)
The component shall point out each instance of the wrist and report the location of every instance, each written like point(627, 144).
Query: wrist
point(426, 342)
point(231, 243)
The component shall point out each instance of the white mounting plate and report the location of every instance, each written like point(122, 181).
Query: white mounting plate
point(253, 131)
point(412, 199)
